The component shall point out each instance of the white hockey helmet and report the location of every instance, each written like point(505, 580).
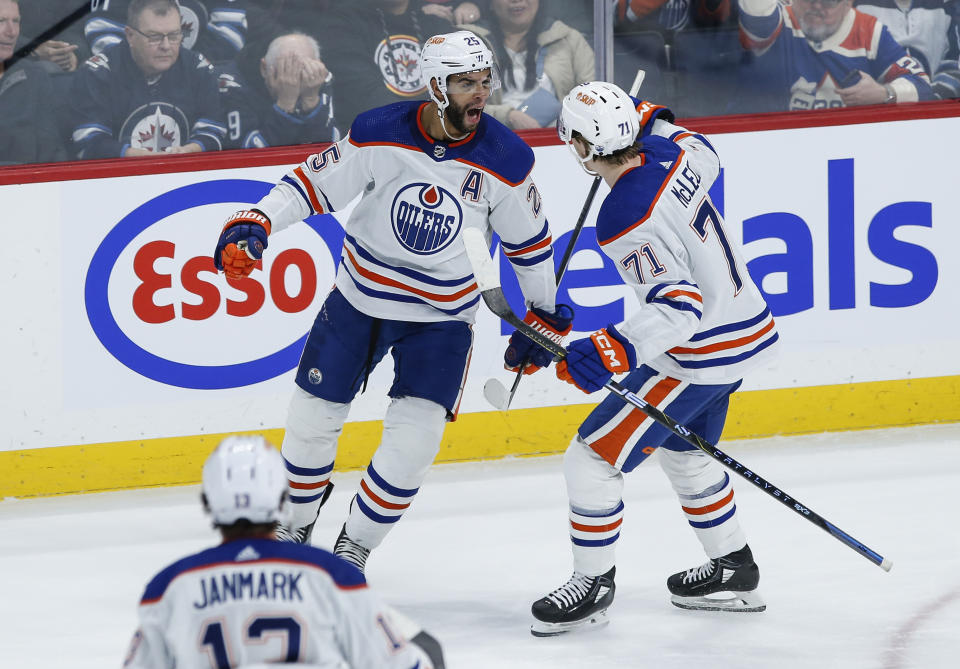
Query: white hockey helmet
point(603, 114)
point(454, 53)
point(245, 478)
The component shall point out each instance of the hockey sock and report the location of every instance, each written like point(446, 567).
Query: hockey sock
point(595, 489)
point(412, 430)
point(706, 496)
point(309, 447)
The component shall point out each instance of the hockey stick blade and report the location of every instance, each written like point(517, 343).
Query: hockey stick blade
point(494, 299)
point(496, 394)
point(561, 268)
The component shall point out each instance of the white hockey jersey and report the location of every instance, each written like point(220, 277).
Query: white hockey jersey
point(256, 601)
point(702, 319)
point(403, 258)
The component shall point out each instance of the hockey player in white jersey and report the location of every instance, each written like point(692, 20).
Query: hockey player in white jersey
point(254, 600)
point(426, 170)
point(701, 325)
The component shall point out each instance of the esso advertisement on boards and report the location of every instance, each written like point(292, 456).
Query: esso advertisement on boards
point(157, 304)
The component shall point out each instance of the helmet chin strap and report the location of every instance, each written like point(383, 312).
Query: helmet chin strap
point(441, 112)
point(582, 159)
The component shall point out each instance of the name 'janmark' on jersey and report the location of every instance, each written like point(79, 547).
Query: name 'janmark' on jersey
point(220, 588)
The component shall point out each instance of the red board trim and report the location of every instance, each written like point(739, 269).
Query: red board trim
point(291, 155)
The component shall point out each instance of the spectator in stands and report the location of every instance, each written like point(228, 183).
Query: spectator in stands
point(279, 97)
point(453, 11)
point(147, 95)
point(816, 54)
point(373, 50)
point(215, 29)
point(66, 48)
point(540, 60)
point(930, 32)
point(673, 15)
point(28, 130)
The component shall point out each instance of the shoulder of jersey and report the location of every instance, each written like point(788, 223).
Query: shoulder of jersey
point(499, 149)
point(636, 192)
point(389, 124)
point(257, 551)
point(502, 152)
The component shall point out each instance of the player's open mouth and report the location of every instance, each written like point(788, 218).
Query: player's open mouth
point(473, 114)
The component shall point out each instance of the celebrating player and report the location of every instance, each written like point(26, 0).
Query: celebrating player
point(426, 170)
point(701, 325)
point(254, 599)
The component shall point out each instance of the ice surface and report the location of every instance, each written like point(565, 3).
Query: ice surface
point(483, 540)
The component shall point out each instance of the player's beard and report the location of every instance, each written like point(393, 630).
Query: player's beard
point(457, 118)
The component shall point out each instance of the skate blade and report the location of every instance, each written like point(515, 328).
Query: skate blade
point(740, 602)
point(595, 621)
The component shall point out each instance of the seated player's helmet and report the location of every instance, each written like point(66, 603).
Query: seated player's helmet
point(454, 53)
point(245, 478)
point(603, 114)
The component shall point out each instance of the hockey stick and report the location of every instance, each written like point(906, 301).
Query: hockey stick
point(493, 297)
point(493, 390)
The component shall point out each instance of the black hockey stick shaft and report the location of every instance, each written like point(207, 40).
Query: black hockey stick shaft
point(497, 303)
point(571, 245)
point(562, 267)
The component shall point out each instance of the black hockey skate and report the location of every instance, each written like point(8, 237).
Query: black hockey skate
point(301, 535)
point(579, 603)
point(735, 574)
point(350, 550)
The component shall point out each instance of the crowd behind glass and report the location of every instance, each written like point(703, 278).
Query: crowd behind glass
point(85, 79)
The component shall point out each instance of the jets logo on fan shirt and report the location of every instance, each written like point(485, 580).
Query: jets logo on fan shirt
point(425, 218)
point(399, 61)
point(155, 127)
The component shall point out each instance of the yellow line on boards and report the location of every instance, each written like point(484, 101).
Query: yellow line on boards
point(481, 436)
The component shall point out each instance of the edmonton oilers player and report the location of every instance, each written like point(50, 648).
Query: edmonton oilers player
point(254, 599)
point(701, 325)
point(426, 170)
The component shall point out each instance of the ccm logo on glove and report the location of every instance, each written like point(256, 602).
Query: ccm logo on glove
point(612, 353)
point(593, 360)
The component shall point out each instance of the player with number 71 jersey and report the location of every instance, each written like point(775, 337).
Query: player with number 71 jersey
point(701, 325)
point(702, 319)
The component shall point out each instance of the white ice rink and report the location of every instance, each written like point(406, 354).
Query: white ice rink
point(483, 540)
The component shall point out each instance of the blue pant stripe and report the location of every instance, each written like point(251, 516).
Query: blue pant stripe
point(596, 514)
point(595, 542)
point(393, 490)
point(306, 499)
point(716, 521)
point(712, 490)
point(308, 471)
point(373, 515)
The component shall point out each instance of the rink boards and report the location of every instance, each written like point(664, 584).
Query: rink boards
point(127, 357)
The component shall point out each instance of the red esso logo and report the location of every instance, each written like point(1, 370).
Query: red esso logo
point(198, 278)
point(168, 298)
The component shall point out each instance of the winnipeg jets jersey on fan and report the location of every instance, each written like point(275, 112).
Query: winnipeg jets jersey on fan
point(809, 72)
point(264, 601)
point(403, 258)
point(701, 319)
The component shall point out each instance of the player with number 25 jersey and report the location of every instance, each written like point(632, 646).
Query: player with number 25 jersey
point(423, 172)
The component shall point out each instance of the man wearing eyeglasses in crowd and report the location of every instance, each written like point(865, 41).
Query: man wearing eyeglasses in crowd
point(147, 95)
point(818, 54)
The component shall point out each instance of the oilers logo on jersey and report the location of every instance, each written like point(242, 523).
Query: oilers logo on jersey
point(155, 126)
point(399, 59)
point(425, 218)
